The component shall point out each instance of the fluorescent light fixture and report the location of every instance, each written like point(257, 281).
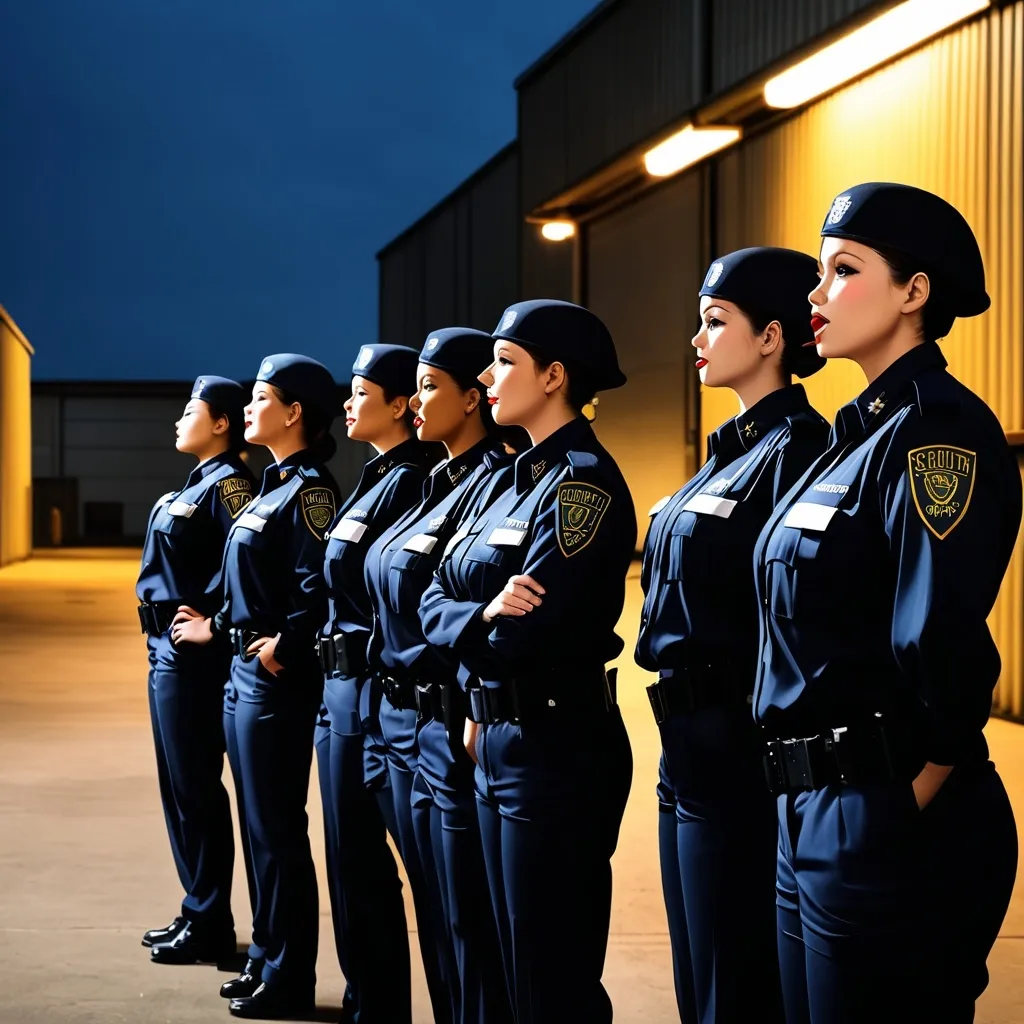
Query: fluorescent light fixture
point(558, 230)
point(888, 35)
point(686, 148)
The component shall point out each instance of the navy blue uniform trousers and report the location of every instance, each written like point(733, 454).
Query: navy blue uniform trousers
point(274, 720)
point(722, 923)
point(367, 909)
point(185, 692)
point(398, 729)
point(231, 743)
point(550, 798)
point(887, 913)
point(448, 839)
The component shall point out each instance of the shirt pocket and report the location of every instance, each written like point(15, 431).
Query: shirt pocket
point(687, 547)
point(174, 518)
point(791, 564)
point(405, 584)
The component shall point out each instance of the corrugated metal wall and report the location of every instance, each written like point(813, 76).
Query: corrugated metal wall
point(15, 443)
point(749, 35)
point(460, 265)
point(614, 85)
point(638, 259)
point(947, 118)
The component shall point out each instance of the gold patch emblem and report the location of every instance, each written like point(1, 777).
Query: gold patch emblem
point(235, 493)
point(942, 479)
point(317, 509)
point(581, 507)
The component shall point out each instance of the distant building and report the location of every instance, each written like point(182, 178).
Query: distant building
point(15, 442)
point(102, 452)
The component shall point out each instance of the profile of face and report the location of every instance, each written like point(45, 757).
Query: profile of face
point(440, 405)
point(729, 352)
point(857, 306)
point(267, 418)
point(197, 430)
point(369, 415)
point(517, 388)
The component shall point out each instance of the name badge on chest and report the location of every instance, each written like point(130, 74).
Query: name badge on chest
point(251, 521)
point(421, 542)
point(806, 515)
point(506, 537)
point(710, 505)
point(181, 508)
point(659, 505)
point(349, 529)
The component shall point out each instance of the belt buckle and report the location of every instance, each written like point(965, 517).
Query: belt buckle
point(799, 762)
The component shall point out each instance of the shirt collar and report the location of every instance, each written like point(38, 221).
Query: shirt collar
point(744, 431)
point(208, 467)
point(281, 472)
point(536, 461)
point(458, 467)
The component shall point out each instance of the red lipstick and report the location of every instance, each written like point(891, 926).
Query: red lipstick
point(491, 400)
point(818, 325)
point(701, 363)
point(417, 422)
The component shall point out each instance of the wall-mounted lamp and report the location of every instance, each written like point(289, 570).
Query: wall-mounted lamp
point(688, 147)
point(558, 230)
point(881, 39)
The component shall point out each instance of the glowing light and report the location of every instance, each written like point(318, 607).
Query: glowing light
point(558, 230)
point(686, 148)
point(888, 35)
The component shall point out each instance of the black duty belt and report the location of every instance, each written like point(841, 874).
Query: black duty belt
point(855, 755)
point(696, 687)
point(242, 639)
point(545, 694)
point(155, 617)
point(400, 690)
point(344, 655)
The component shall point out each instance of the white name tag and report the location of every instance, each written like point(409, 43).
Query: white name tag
point(709, 505)
point(450, 546)
point(349, 529)
point(659, 505)
point(251, 521)
point(422, 542)
point(181, 508)
point(505, 537)
point(806, 515)
point(164, 499)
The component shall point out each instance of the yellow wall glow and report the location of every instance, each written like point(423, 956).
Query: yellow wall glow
point(15, 443)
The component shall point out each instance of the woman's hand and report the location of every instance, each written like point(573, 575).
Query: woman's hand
point(929, 782)
point(189, 627)
point(264, 647)
point(521, 595)
point(469, 739)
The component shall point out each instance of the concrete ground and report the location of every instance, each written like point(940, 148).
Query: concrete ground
point(84, 861)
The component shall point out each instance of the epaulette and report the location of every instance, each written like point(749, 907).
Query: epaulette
point(309, 472)
point(581, 460)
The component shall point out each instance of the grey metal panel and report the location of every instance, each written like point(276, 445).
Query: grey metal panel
point(164, 410)
point(393, 296)
point(749, 35)
point(620, 81)
point(546, 271)
point(644, 265)
point(493, 231)
point(439, 271)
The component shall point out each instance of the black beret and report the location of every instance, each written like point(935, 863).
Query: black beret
point(304, 379)
point(393, 367)
point(460, 351)
point(921, 226)
point(773, 283)
point(566, 333)
point(228, 396)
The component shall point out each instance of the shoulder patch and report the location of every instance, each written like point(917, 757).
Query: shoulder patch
point(942, 480)
point(581, 507)
point(234, 494)
point(317, 509)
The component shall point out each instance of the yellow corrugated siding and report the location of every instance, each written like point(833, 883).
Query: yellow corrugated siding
point(947, 118)
point(15, 446)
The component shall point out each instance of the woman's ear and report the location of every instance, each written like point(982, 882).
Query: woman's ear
point(472, 400)
point(554, 378)
point(771, 342)
point(398, 407)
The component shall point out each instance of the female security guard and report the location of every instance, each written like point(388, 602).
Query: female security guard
point(180, 565)
point(527, 599)
point(699, 632)
point(898, 847)
point(366, 894)
point(423, 712)
point(275, 600)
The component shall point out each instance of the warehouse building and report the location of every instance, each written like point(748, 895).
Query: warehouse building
point(659, 133)
point(15, 442)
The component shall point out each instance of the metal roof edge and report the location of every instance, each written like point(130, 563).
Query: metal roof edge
point(16, 331)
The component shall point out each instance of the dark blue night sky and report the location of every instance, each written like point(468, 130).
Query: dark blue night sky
point(187, 185)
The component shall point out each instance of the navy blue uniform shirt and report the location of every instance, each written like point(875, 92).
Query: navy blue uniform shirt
point(877, 573)
point(568, 522)
point(181, 557)
point(274, 557)
point(391, 484)
point(401, 564)
point(699, 588)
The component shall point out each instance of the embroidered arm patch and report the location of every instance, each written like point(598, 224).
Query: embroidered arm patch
point(942, 480)
point(581, 507)
point(234, 494)
point(317, 509)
